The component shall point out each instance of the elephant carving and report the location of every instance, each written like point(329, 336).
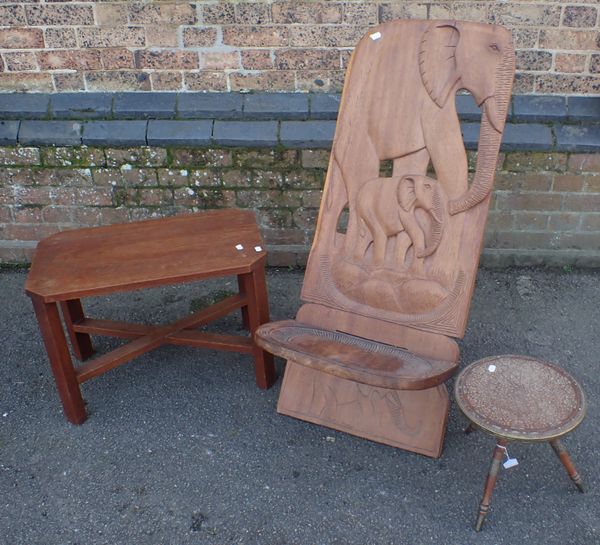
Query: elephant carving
point(386, 207)
point(435, 60)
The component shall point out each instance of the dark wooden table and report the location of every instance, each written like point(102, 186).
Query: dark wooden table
point(118, 258)
point(516, 398)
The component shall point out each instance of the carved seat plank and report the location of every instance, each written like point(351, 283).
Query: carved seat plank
point(352, 357)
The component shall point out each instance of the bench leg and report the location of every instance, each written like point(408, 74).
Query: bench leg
point(490, 482)
point(81, 342)
point(255, 288)
point(564, 457)
point(60, 360)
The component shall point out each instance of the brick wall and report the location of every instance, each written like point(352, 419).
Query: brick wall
point(265, 45)
point(546, 206)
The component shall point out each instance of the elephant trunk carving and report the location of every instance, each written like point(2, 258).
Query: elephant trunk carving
point(492, 124)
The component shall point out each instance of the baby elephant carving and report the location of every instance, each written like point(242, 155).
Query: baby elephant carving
point(386, 207)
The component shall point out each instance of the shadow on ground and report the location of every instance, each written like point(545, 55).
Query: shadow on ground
point(182, 448)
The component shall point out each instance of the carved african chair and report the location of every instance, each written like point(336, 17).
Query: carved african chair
point(392, 269)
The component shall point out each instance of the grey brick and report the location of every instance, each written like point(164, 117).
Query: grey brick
point(209, 105)
point(578, 138)
point(527, 136)
point(8, 132)
point(517, 136)
point(307, 134)
point(276, 106)
point(245, 133)
point(324, 105)
point(584, 108)
point(53, 133)
point(470, 132)
point(144, 105)
point(539, 108)
point(115, 133)
point(24, 106)
point(81, 105)
point(179, 133)
point(467, 108)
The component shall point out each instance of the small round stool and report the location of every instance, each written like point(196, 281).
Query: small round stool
point(516, 398)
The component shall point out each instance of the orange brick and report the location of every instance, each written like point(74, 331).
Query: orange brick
point(205, 81)
point(568, 182)
point(566, 62)
point(114, 58)
point(29, 232)
point(112, 36)
point(564, 221)
point(590, 222)
point(87, 59)
point(60, 15)
point(307, 12)
point(166, 59)
point(199, 37)
point(326, 35)
point(529, 201)
point(12, 16)
point(117, 81)
point(26, 81)
point(220, 60)
point(166, 81)
point(584, 162)
point(568, 39)
point(20, 61)
point(255, 36)
point(110, 14)
point(161, 36)
point(267, 81)
point(60, 38)
point(530, 221)
point(307, 59)
point(155, 13)
point(21, 38)
point(68, 82)
point(256, 59)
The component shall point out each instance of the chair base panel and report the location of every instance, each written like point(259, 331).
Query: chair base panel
point(412, 420)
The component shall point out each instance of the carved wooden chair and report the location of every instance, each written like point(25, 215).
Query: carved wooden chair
point(392, 268)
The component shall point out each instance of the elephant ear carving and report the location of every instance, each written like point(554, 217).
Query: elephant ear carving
point(406, 193)
point(437, 61)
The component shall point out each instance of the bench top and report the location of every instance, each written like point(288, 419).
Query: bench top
point(101, 260)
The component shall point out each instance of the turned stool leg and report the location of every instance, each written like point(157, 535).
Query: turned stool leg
point(564, 457)
point(470, 428)
point(490, 482)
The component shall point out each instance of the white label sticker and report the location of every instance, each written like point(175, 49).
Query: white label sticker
point(239, 247)
point(258, 248)
point(491, 368)
point(511, 462)
point(375, 36)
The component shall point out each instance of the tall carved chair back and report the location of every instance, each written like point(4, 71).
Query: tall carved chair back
point(392, 269)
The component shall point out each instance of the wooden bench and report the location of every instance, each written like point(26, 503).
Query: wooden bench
point(125, 257)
